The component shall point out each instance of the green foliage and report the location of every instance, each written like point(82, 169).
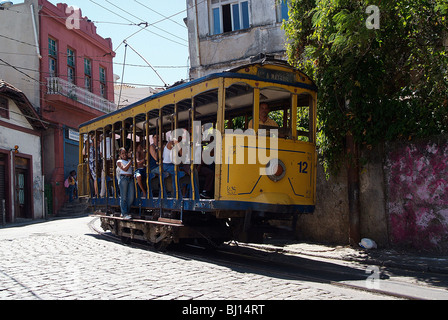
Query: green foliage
point(378, 84)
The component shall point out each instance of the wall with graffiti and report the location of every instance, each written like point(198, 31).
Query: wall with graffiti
point(417, 194)
point(403, 199)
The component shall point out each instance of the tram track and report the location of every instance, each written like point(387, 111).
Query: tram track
point(297, 267)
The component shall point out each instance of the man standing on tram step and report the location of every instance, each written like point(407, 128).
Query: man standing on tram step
point(140, 172)
point(125, 183)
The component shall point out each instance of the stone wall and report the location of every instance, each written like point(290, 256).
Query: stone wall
point(403, 198)
point(329, 222)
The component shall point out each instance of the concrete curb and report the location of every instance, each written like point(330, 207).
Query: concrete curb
point(381, 257)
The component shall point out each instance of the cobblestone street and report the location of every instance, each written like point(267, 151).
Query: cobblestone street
point(222, 158)
point(64, 259)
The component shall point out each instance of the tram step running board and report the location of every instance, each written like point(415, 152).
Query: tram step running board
point(160, 221)
point(168, 220)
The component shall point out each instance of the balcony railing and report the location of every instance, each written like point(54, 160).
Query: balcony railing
point(67, 89)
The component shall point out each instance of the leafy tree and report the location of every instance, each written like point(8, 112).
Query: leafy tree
point(375, 85)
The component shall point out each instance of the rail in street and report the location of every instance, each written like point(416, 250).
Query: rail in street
point(72, 259)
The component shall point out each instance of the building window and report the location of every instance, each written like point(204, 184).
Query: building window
point(71, 65)
point(282, 10)
point(103, 87)
point(229, 15)
point(52, 57)
point(88, 74)
point(4, 108)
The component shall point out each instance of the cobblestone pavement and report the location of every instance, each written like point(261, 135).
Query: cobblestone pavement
point(64, 259)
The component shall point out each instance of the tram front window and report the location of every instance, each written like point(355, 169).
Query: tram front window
point(275, 112)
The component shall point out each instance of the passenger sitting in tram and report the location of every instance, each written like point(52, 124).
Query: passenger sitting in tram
point(154, 166)
point(264, 119)
point(185, 166)
point(168, 164)
point(154, 156)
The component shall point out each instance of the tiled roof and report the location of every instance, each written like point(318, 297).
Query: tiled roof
point(8, 90)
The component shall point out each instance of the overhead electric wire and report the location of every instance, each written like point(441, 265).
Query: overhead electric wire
point(117, 63)
point(150, 25)
point(26, 116)
point(73, 18)
point(12, 39)
point(131, 23)
point(167, 18)
point(194, 5)
point(17, 69)
point(118, 47)
point(65, 75)
point(174, 41)
point(65, 54)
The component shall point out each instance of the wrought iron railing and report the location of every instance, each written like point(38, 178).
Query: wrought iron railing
point(67, 89)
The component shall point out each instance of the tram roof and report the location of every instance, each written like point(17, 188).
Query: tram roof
point(231, 73)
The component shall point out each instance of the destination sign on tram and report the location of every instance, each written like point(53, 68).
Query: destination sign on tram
point(277, 75)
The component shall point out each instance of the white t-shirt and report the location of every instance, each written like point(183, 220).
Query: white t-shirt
point(124, 163)
point(166, 155)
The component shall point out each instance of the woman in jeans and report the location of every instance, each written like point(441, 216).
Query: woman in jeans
point(125, 183)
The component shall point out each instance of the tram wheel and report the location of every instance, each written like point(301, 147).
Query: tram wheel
point(126, 240)
point(161, 245)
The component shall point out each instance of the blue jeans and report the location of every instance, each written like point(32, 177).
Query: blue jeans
point(71, 189)
point(169, 168)
point(127, 193)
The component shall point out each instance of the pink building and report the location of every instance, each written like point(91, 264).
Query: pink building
point(77, 72)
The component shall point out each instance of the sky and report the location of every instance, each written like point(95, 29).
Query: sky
point(164, 43)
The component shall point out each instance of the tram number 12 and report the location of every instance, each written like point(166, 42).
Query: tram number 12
point(303, 167)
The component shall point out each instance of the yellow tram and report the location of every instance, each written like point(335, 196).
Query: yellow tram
point(253, 127)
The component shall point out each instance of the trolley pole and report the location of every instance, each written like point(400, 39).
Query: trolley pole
point(147, 62)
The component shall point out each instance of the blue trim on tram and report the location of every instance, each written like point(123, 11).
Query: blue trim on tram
point(206, 205)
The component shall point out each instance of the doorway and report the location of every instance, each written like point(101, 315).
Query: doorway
point(4, 187)
point(22, 188)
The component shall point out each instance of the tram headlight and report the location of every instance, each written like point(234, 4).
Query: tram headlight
point(275, 169)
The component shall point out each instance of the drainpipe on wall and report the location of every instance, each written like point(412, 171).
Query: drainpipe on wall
point(36, 39)
point(198, 46)
point(42, 170)
point(44, 214)
point(12, 186)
